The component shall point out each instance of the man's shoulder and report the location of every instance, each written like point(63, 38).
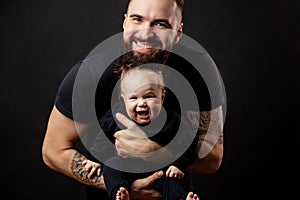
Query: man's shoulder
point(185, 50)
point(187, 56)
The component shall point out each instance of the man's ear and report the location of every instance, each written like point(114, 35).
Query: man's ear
point(124, 21)
point(179, 32)
point(163, 94)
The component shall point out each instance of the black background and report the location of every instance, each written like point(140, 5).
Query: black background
point(41, 40)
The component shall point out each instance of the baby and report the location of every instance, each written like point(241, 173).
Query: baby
point(143, 91)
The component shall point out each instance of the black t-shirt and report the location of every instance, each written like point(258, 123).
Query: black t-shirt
point(192, 80)
point(193, 84)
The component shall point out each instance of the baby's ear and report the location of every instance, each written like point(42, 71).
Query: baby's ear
point(123, 97)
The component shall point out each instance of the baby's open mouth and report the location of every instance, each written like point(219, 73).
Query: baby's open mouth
point(143, 114)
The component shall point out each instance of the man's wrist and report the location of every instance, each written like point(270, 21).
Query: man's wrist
point(151, 146)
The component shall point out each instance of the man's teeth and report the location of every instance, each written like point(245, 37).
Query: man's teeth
point(144, 46)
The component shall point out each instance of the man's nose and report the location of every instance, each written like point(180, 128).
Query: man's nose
point(146, 33)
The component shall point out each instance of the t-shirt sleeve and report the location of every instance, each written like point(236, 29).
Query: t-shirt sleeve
point(63, 101)
point(84, 94)
point(200, 72)
point(214, 91)
point(76, 94)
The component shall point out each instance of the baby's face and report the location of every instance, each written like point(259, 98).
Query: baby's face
point(143, 95)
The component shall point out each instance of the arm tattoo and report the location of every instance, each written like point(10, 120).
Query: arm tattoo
point(205, 118)
point(80, 172)
point(211, 123)
point(208, 122)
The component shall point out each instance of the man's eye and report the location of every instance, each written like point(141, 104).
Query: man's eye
point(161, 25)
point(136, 19)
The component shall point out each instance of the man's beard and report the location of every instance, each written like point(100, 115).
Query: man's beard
point(133, 59)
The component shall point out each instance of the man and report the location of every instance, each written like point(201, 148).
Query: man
point(146, 26)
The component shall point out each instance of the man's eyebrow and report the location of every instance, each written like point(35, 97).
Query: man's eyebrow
point(136, 15)
point(154, 21)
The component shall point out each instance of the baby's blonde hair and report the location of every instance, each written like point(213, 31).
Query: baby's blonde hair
point(152, 69)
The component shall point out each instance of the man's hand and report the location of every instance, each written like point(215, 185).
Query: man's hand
point(141, 188)
point(133, 142)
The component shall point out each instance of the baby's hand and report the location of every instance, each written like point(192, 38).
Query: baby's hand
point(174, 172)
point(92, 167)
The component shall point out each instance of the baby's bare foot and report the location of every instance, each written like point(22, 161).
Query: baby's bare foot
point(192, 196)
point(122, 194)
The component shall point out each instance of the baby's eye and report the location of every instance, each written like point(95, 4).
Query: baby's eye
point(132, 98)
point(149, 96)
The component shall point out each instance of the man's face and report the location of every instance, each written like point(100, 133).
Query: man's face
point(151, 25)
point(143, 95)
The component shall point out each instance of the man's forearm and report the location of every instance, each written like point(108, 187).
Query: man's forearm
point(211, 162)
point(69, 162)
point(81, 174)
point(58, 150)
point(210, 144)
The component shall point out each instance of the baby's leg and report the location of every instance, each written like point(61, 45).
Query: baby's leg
point(192, 196)
point(123, 194)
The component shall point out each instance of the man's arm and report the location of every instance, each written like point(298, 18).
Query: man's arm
point(59, 153)
point(210, 144)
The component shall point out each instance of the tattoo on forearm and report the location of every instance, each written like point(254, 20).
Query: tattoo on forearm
point(211, 122)
point(208, 122)
point(205, 118)
point(80, 172)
